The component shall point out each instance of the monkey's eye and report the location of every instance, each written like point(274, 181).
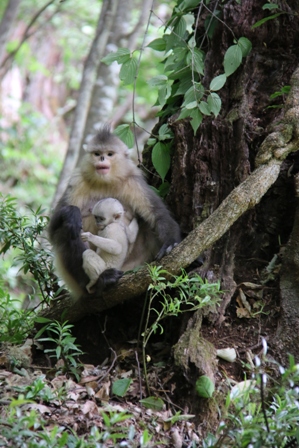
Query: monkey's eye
point(99, 218)
point(110, 154)
point(97, 154)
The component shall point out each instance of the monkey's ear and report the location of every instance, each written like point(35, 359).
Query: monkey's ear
point(117, 216)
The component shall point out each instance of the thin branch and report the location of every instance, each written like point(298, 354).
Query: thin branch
point(26, 34)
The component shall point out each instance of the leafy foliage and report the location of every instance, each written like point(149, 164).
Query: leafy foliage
point(20, 428)
point(15, 324)
point(257, 416)
point(179, 295)
point(25, 146)
point(24, 234)
point(184, 69)
point(64, 348)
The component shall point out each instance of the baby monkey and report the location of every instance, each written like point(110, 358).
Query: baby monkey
point(113, 241)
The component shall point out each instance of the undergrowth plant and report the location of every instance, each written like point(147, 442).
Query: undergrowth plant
point(15, 324)
point(24, 235)
point(64, 346)
point(23, 428)
point(180, 294)
point(262, 412)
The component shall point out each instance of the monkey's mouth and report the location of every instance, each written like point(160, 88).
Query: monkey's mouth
point(104, 169)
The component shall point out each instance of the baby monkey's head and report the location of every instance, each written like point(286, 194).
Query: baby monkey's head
point(107, 211)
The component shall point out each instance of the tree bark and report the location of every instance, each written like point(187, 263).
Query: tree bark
point(289, 291)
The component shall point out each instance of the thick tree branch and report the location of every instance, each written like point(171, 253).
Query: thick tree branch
point(245, 196)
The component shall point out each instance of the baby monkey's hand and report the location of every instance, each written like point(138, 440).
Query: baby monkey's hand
point(85, 236)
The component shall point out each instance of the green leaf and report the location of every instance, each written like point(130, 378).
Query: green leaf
point(121, 55)
point(270, 6)
point(195, 93)
point(163, 189)
point(218, 82)
point(120, 387)
point(165, 132)
point(158, 44)
point(262, 21)
point(161, 159)
point(151, 141)
point(163, 94)
point(191, 105)
point(184, 113)
point(125, 134)
point(214, 103)
point(197, 117)
point(154, 403)
point(128, 71)
point(204, 108)
point(232, 59)
point(187, 4)
point(196, 59)
point(204, 387)
point(185, 84)
point(180, 27)
point(245, 46)
point(158, 81)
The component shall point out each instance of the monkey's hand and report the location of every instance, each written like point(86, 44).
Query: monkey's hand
point(166, 249)
point(86, 236)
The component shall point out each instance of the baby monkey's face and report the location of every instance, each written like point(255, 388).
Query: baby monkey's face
point(107, 211)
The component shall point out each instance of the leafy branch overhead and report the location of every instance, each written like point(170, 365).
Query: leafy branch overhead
point(184, 70)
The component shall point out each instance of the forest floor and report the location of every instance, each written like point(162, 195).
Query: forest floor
point(166, 413)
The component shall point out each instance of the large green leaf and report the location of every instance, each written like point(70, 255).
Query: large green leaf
point(120, 387)
point(158, 44)
point(218, 82)
point(121, 55)
point(128, 71)
point(161, 159)
point(214, 103)
point(125, 134)
point(245, 46)
point(204, 387)
point(232, 59)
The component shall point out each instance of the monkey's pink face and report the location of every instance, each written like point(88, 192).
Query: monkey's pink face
point(102, 162)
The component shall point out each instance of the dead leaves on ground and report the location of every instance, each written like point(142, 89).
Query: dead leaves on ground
point(80, 406)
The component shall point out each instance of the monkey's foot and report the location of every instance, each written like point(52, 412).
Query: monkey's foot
point(110, 277)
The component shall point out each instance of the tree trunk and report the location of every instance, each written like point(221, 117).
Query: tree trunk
point(105, 91)
point(287, 339)
point(107, 16)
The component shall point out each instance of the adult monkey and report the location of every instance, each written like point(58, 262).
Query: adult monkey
point(107, 171)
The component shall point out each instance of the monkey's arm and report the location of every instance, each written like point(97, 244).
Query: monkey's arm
point(132, 230)
point(106, 244)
